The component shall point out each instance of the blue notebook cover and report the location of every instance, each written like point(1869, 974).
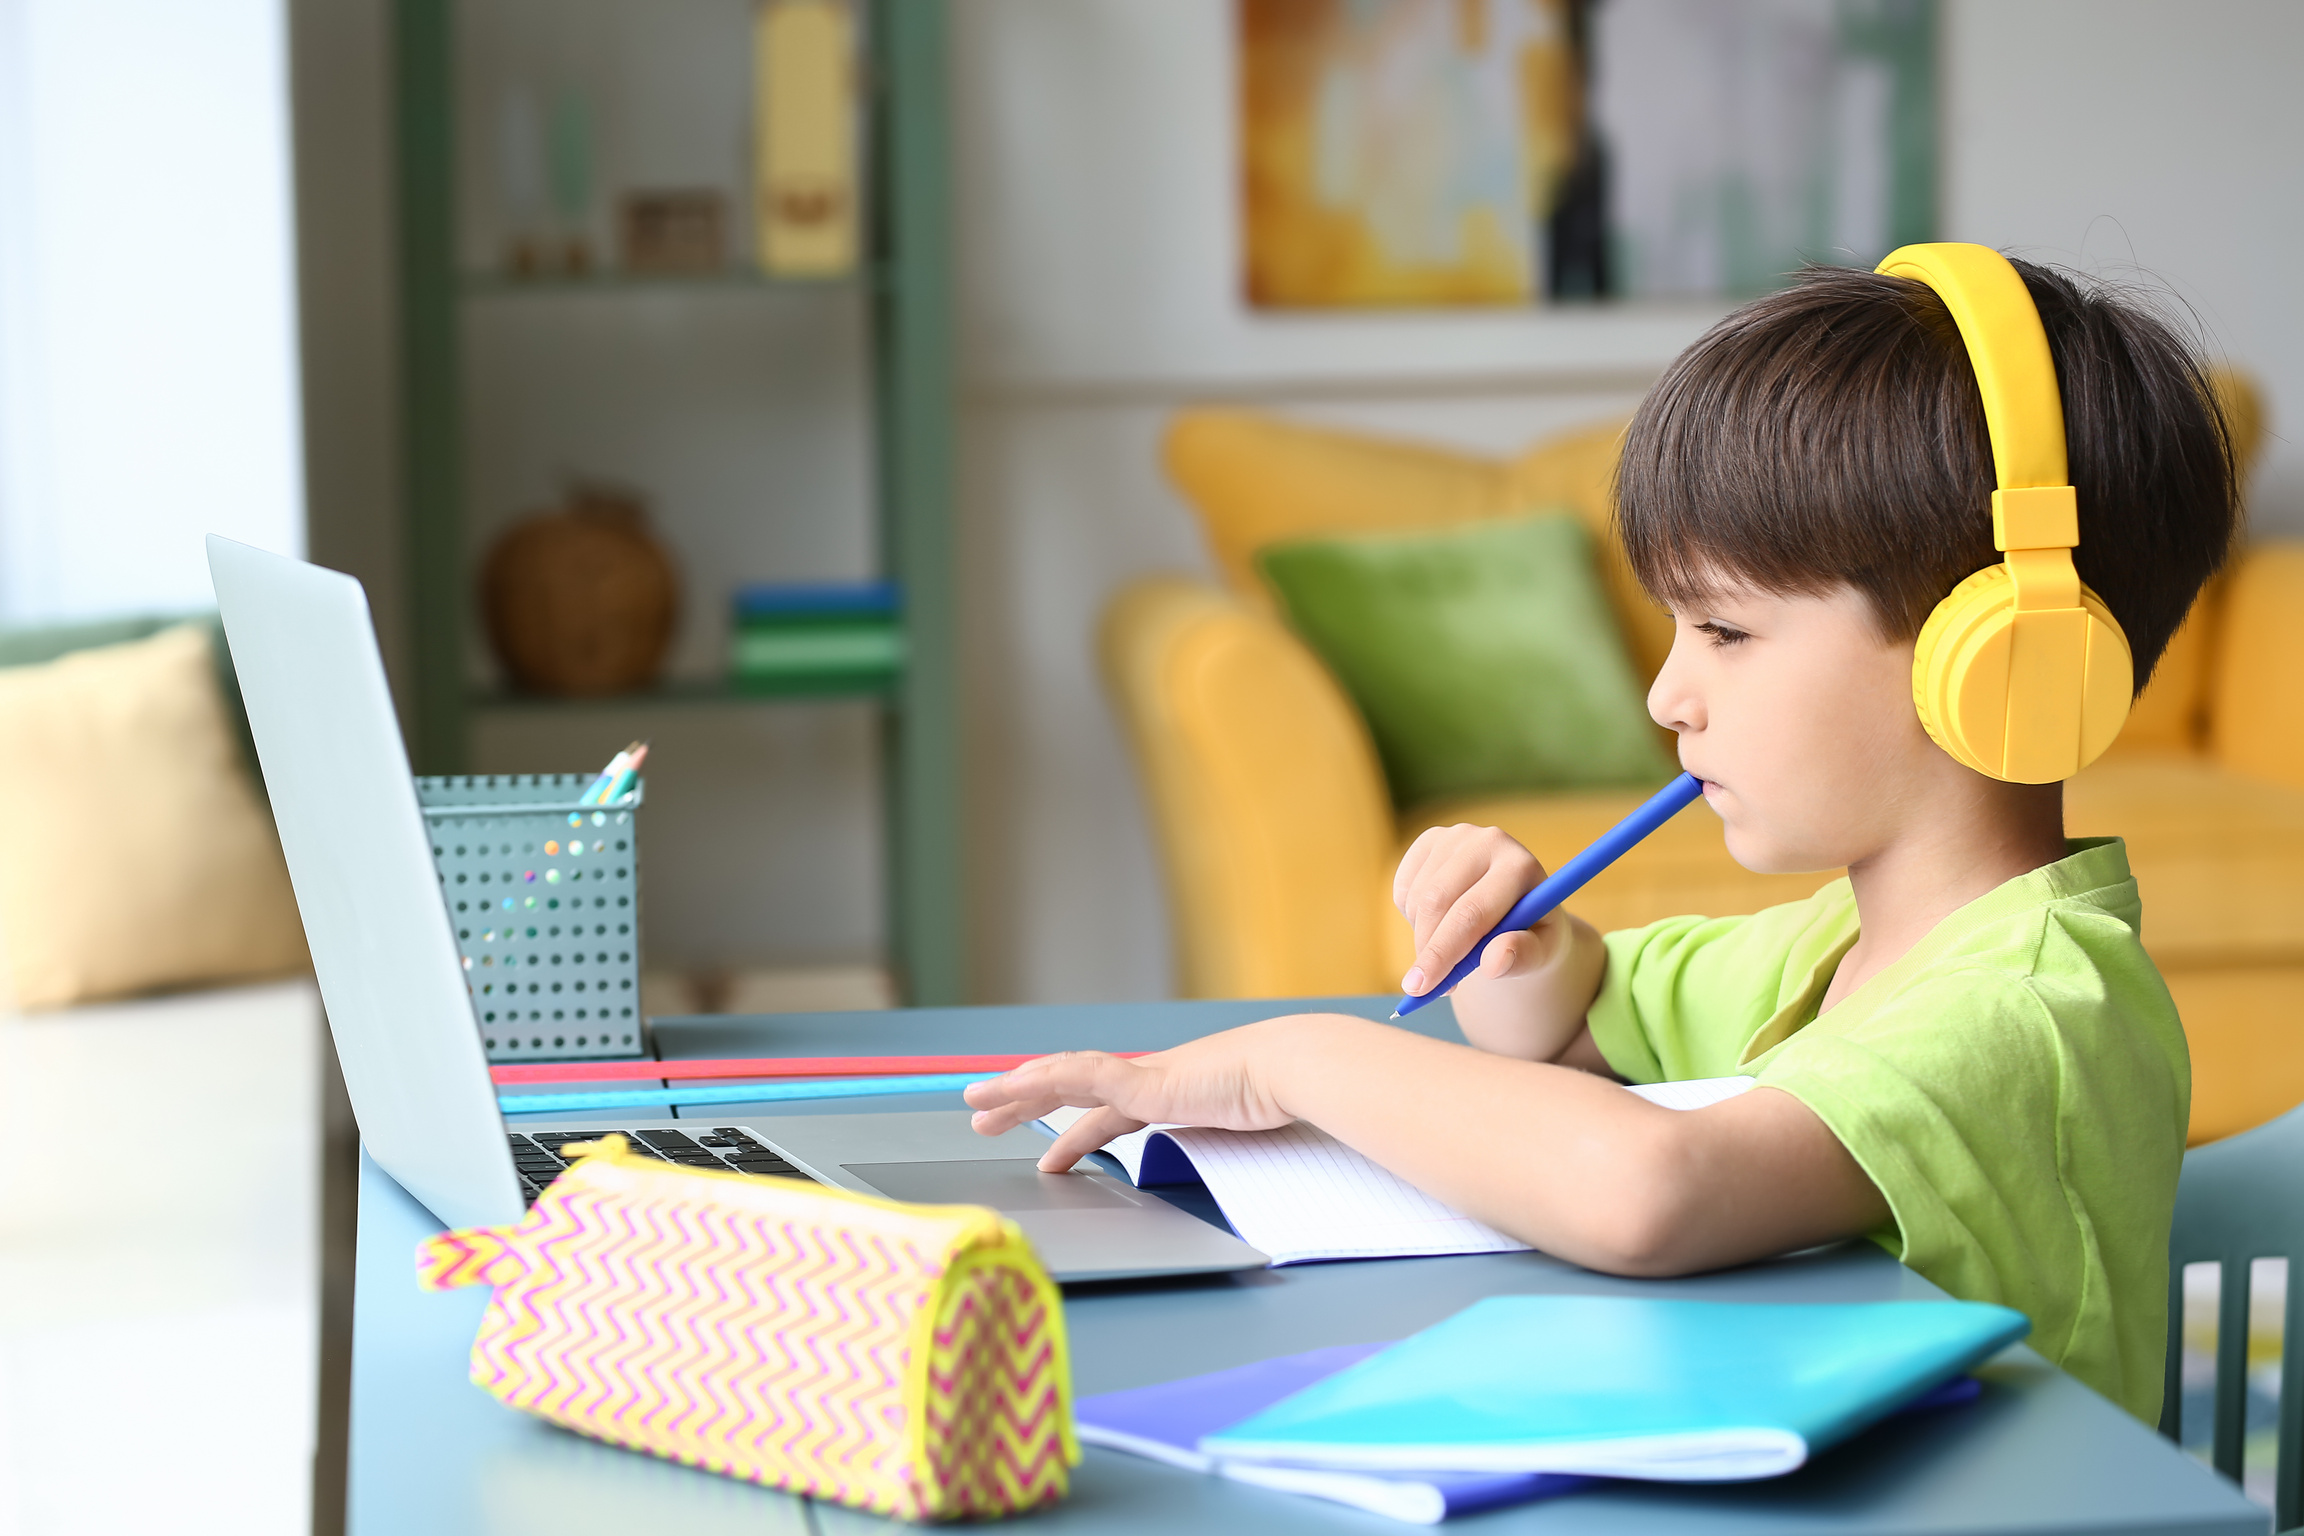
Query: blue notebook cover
point(1167, 1421)
point(1677, 1391)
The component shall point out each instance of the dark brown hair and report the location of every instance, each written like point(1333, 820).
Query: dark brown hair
point(1831, 434)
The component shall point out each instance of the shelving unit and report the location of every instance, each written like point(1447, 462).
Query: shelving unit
point(906, 276)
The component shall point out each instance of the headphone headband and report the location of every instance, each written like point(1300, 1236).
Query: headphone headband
point(2008, 348)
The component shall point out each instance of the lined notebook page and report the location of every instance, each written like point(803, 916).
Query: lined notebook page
point(1301, 1195)
point(1694, 1092)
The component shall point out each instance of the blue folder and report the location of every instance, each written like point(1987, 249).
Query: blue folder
point(1676, 1391)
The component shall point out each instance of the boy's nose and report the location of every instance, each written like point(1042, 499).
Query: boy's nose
point(1672, 704)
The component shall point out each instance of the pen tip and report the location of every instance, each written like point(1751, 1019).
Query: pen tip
point(1394, 1018)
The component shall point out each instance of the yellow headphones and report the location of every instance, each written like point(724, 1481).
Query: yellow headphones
point(2021, 673)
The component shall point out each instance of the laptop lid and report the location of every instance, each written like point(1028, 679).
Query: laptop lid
point(361, 862)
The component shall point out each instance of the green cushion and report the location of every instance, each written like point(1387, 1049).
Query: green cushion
point(1484, 658)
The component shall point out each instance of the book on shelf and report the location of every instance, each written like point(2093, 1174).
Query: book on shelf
point(833, 634)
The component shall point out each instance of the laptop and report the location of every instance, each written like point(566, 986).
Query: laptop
point(401, 1011)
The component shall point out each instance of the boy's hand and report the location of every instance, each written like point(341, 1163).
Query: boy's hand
point(1456, 883)
point(1213, 1081)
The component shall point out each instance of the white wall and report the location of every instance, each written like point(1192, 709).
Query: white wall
point(2150, 142)
point(148, 389)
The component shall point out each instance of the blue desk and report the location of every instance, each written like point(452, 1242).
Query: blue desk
point(430, 1453)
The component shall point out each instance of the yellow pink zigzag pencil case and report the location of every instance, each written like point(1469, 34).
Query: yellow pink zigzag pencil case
point(905, 1359)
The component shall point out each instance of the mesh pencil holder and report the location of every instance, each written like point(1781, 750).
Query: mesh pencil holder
point(545, 897)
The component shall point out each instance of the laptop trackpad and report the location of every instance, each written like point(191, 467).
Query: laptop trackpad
point(1004, 1183)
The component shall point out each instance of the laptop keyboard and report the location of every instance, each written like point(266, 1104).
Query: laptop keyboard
point(727, 1147)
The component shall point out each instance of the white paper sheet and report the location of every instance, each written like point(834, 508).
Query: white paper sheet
point(1301, 1195)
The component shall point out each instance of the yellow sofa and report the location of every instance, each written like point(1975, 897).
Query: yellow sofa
point(1279, 835)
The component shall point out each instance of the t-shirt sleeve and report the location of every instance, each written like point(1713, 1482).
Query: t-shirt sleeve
point(1679, 999)
point(1969, 1109)
point(1940, 1098)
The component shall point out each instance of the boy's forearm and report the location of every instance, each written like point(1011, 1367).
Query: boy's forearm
point(1536, 1017)
point(1567, 1161)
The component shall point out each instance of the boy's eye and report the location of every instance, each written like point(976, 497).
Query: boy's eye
point(1721, 634)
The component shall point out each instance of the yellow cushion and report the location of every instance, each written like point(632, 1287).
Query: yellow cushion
point(1578, 469)
point(1256, 479)
point(2256, 703)
point(138, 855)
point(2215, 856)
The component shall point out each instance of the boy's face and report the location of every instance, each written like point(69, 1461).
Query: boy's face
point(1798, 717)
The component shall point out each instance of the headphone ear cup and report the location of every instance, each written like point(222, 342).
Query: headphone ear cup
point(1960, 678)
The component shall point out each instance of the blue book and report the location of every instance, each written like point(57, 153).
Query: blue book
point(1614, 1386)
point(1166, 1422)
point(771, 602)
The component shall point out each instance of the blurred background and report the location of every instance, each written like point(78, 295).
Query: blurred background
point(874, 415)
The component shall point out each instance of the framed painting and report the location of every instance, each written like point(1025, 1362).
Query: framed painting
point(1402, 152)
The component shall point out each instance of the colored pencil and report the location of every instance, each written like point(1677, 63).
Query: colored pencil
point(605, 783)
point(736, 1093)
point(754, 1066)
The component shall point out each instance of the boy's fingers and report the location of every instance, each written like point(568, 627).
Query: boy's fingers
point(1404, 877)
point(1522, 950)
point(1448, 876)
point(1087, 1078)
point(1477, 911)
point(1089, 1132)
point(1504, 956)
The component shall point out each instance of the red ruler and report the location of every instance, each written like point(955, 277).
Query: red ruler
point(756, 1066)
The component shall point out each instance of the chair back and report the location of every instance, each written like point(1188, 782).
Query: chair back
point(2242, 1199)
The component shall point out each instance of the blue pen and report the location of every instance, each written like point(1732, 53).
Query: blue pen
point(1570, 878)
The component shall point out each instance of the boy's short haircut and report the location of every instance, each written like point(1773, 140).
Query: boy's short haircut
point(1831, 434)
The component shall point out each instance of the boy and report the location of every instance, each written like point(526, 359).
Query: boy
point(1961, 1049)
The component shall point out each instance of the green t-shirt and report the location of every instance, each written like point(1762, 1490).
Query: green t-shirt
point(2017, 1086)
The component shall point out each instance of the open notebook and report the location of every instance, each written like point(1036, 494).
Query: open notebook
point(1301, 1195)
